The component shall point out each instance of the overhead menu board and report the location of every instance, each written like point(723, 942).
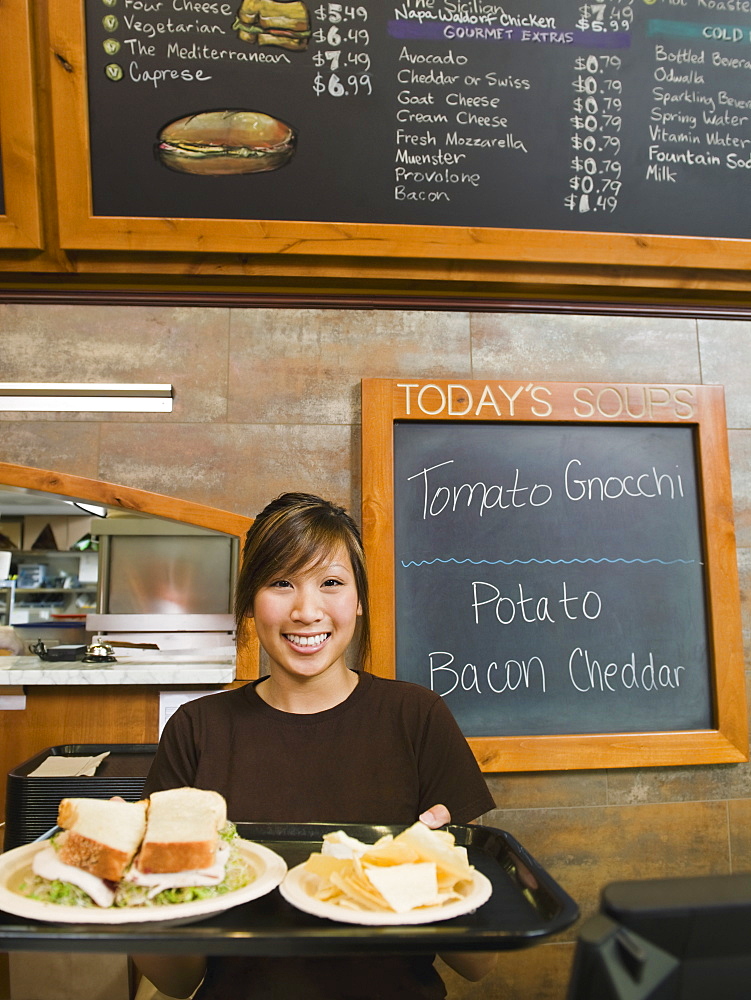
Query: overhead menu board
point(433, 112)
point(561, 565)
point(418, 126)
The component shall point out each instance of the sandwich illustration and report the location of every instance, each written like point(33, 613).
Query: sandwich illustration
point(218, 143)
point(284, 23)
point(172, 848)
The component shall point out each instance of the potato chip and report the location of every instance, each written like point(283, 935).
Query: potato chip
point(435, 845)
point(392, 853)
point(323, 865)
point(406, 886)
point(419, 867)
point(341, 845)
point(361, 891)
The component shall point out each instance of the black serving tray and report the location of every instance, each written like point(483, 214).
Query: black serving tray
point(526, 907)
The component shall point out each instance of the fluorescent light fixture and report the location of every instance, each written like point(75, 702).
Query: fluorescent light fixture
point(147, 397)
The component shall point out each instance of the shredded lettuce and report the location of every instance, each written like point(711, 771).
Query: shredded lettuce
point(237, 875)
point(228, 832)
point(63, 893)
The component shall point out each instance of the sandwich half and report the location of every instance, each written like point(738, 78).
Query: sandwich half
point(182, 832)
point(101, 835)
point(98, 842)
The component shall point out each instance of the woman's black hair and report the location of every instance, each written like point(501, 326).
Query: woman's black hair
point(294, 531)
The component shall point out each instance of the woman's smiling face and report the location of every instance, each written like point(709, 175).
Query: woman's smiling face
point(306, 620)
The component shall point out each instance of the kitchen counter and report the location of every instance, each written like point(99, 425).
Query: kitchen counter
point(210, 665)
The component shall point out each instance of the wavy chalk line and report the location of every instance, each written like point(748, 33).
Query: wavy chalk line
point(540, 562)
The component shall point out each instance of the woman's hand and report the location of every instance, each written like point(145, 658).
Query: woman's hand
point(435, 817)
point(471, 965)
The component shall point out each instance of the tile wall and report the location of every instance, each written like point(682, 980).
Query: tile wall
point(268, 400)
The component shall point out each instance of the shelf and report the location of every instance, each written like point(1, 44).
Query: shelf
point(45, 553)
point(91, 589)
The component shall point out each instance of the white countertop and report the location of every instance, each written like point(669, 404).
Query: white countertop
point(211, 665)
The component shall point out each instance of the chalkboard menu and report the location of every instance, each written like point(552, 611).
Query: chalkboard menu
point(538, 566)
point(557, 557)
point(609, 117)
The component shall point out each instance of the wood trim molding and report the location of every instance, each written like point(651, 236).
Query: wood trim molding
point(20, 227)
point(223, 298)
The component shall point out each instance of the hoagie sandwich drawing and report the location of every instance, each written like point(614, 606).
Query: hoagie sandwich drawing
point(219, 143)
point(284, 23)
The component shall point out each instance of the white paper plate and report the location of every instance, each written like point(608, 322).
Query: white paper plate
point(298, 888)
point(15, 865)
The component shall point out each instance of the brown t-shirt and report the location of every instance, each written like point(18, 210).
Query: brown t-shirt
point(388, 752)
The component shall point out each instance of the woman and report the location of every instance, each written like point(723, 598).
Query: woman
point(316, 741)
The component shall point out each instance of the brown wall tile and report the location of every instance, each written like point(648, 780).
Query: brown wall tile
point(546, 790)
point(635, 786)
point(61, 446)
point(183, 346)
point(739, 443)
point(726, 360)
point(566, 348)
point(584, 849)
point(234, 467)
point(739, 816)
point(305, 366)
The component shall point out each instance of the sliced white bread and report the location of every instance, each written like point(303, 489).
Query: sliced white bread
point(181, 831)
point(102, 835)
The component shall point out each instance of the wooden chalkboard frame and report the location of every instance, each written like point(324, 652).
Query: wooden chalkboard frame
point(383, 403)
point(20, 226)
point(409, 247)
